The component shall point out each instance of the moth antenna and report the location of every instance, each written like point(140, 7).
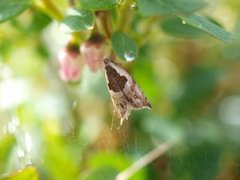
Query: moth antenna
point(96, 61)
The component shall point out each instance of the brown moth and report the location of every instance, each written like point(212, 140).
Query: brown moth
point(125, 93)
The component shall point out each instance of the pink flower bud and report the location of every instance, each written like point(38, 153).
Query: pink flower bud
point(70, 64)
point(93, 52)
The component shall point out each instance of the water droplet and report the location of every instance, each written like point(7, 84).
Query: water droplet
point(200, 26)
point(184, 22)
point(133, 5)
point(89, 27)
point(129, 56)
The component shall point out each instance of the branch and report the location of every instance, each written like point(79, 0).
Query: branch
point(146, 159)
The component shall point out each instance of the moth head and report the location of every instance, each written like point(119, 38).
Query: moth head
point(111, 60)
point(106, 61)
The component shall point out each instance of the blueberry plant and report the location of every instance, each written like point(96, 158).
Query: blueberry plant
point(115, 24)
point(181, 52)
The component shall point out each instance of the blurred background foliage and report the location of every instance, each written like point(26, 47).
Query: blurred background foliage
point(51, 129)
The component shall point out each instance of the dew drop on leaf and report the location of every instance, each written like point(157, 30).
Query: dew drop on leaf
point(89, 27)
point(129, 56)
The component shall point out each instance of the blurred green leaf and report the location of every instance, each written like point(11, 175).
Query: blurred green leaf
point(5, 48)
point(198, 162)
point(174, 26)
point(205, 25)
point(163, 7)
point(80, 20)
point(42, 50)
point(197, 85)
point(11, 8)
point(66, 141)
point(98, 4)
point(104, 159)
point(143, 73)
point(153, 7)
point(60, 162)
point(103, 173)
point(6, 145)
point(161, 129)
point(124, 46)
point(116, 161)
point(185, 6)
point(28, 173)
point(39, 21)
point(231, 51)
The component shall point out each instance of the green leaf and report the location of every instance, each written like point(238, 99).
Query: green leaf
point(124, 46)
point(153, 7)
point(161, 129)
point(6, 145)
point(29, 173)
point(231, 52)
point(197, 85)
point(199, 161)
point(174, 26)
point(98, 4)
point(113, 162)
point(39, 21)
point(102, 173)
point(205, 25)
point(185, 6)
point(163, 7)
point(143, 73)
point(11, 8)
point(78, 20)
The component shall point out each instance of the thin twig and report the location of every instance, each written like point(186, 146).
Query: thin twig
point(52, 10)
point(146, 159)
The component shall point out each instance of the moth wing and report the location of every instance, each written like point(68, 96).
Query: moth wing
point(120, 105)
point(133, 93)
point(125, 93)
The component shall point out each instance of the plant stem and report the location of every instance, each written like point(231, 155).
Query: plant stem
point(105, 21)
point(146, 159)
point(51, 9)
point(102, 23)
point(124, 14)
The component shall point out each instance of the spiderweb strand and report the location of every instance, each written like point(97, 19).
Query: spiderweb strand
point(146, 159)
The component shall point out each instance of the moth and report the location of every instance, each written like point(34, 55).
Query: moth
point(124, 91)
